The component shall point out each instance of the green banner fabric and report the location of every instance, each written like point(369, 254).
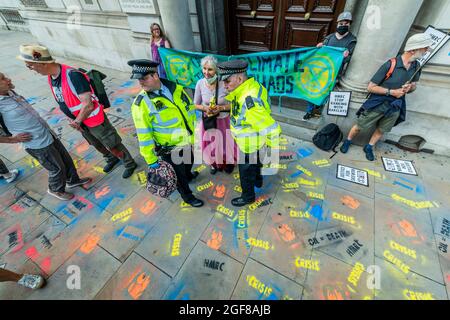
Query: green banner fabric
point(307, 73)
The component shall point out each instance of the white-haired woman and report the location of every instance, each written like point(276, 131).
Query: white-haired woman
point(222, 154)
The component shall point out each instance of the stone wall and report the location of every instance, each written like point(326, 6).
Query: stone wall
point(107, 33)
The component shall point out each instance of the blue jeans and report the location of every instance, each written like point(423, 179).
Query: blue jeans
point(312, 106)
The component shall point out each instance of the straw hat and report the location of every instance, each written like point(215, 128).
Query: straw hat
point(35, 53)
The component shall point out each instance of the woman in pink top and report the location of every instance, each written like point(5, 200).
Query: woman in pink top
point(158, 40)
point(218, 147)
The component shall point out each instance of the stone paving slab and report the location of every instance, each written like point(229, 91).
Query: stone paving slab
point(331, 279)
point(231, 230)
point(280, 242)
point(130, 223)
point(403, 240)
point(396, 285)
point(207, 274)
point(258, 282)
point(173, 238)
point(92, 279)
point(8, 197)
point(136, 279)
point(353, 213)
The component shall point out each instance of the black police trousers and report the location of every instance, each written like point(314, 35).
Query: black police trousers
point(183, 170)
point(250, 173)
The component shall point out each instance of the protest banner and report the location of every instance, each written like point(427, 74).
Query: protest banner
point(307, 73)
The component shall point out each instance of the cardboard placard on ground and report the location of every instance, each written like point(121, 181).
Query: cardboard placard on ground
point(352, 175)
point(399, 166)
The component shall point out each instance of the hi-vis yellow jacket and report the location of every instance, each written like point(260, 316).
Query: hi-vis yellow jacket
point(251, 123)
point(158, 121)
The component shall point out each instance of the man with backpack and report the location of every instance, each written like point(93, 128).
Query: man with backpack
point(386, 106)
point(76, 97)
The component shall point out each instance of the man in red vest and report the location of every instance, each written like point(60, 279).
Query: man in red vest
point(77, 100)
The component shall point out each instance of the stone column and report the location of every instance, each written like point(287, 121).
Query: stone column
point(357, 8)
point(177, 24)
point(382, 33)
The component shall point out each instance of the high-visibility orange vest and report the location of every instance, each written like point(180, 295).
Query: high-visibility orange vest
point(70, 95)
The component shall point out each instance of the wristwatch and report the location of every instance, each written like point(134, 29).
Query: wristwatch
point(388, 92)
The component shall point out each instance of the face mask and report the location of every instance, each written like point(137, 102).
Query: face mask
point(211, 80)
point(343, 30)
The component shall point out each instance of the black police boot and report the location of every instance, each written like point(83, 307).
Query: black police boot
point(129, 172)
point(196, 203)
point(110, 165)
point(194, 176)
point(241, 202)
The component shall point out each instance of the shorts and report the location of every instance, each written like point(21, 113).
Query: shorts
point(376, 119)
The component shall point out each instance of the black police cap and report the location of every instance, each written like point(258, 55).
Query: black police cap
point(142, 67)
point(228, 68)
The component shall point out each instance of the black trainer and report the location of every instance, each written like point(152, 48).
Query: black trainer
point(110, 165)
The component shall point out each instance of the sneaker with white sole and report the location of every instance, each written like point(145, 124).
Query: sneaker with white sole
point(82, 182)
point(32, 281)
point(14, 174)
point(64, 196)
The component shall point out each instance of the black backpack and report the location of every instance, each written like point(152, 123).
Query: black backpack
point(96, 79)
point(328, 138)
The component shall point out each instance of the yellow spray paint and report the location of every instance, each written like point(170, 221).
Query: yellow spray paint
point(176, 244)
point(259, 286)
point(123, 216)
point(398, 247)
point(307, 264)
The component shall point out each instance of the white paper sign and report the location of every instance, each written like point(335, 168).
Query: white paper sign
point(352, 175)
point(439, 40)
point(339, 103)
point(400, 166)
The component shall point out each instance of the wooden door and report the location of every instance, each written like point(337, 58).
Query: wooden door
point(305, 23)
point(266, 25)
point(253, 25)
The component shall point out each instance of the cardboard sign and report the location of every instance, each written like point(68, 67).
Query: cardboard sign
point(325, 237)
point(339, 103)
point(439, 40)
point(352, 175)
point(399, 166)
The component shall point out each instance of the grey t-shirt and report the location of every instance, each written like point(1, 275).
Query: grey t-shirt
point(20, 117)
point(399, 77)
point(348, 42)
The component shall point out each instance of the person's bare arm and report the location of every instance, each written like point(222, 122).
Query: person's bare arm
point(168, 46)
point(376, 89)
point(21, 137)
point(86, 110)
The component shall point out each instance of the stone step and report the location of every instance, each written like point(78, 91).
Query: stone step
point(290, 118)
